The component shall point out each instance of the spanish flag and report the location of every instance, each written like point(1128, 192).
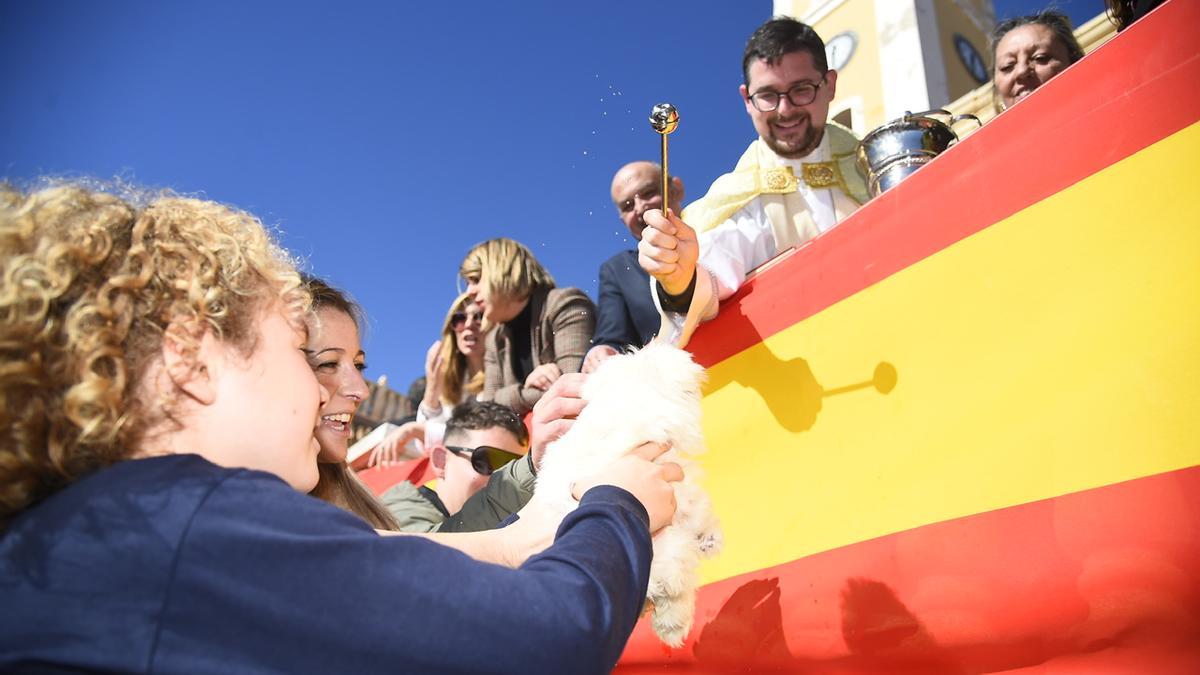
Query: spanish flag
point(960, 433)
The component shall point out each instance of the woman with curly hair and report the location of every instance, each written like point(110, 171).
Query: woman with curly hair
point(541, 331)
point(157, 418)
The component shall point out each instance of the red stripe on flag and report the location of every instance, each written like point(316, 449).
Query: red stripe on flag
point(1105, 580)
point(1127, 95)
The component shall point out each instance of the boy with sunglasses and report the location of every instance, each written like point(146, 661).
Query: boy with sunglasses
point(481, 438)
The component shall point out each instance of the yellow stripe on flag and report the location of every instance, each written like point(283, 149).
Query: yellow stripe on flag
point(1055, 351)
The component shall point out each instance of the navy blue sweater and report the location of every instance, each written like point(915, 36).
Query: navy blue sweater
point(174, 565)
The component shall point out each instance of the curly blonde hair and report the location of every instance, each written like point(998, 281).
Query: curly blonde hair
point(90, 282)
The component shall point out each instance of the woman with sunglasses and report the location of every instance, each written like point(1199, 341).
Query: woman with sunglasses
point(156, 448)
point(453, 375)
point(481, 438)
point(542, 332)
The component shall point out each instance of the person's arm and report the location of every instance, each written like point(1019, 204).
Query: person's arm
point(725, 255)
point(412, 511)
point(614, 326)
point(515, 395)
point(570, 331)
point(493, 372)
point(732, 249)
point(391, 450)
point(430, 406)
point(269, 577)
point(572, 327)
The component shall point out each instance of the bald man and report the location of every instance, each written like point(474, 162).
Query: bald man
point(626, 315)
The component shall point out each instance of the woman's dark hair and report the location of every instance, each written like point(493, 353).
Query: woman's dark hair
point(1057, 22)
point(1125, 12)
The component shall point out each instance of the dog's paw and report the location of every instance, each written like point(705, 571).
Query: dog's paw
point(710, 543)
point(672, 618)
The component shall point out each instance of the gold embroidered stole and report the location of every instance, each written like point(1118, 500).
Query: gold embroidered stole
point(761, 174)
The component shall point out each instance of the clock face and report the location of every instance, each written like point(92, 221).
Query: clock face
point(971, 58)
point(839, 49)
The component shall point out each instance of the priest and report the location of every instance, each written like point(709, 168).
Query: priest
point(796, 181)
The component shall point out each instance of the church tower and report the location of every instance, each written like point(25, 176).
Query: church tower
point(898, 55)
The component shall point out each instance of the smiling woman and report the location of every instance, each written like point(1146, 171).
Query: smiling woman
point(335, 353)
point(1027, 52)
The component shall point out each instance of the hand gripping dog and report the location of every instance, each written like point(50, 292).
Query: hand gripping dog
point(648, 395)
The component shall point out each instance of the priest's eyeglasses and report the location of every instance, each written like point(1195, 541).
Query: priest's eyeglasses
point(800, 94)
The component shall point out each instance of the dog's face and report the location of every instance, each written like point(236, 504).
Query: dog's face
point(655, 391)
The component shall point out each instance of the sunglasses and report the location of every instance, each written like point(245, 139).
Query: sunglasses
point(485, 459)
point(460, 319)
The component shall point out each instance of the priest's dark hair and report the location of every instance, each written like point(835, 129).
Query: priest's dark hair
point(779, 37)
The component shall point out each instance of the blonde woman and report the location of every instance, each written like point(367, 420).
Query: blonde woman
point(541, 332)
point(156, 444)
point(453, 375)
point(454, 364)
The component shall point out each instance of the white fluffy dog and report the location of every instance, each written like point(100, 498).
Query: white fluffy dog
point(649, 395)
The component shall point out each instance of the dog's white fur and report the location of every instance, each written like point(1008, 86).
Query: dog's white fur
point(649, 395)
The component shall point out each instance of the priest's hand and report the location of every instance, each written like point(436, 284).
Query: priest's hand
point(668, 251)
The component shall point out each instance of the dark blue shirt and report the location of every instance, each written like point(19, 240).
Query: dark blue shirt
point(175, 565)
point(625, 313)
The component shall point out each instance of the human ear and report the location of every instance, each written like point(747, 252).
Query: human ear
point(750, 109)
point(188, 359)
point(437, 459)
point(831, 82)
point(676, 190)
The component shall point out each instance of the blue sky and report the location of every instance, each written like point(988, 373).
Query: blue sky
point(383, 139)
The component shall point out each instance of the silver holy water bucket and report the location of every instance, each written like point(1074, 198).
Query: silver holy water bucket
point(897, 149)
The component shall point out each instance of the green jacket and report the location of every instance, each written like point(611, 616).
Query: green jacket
point(506, 492)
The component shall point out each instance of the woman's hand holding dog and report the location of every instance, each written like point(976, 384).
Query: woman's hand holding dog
point(647, 481)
